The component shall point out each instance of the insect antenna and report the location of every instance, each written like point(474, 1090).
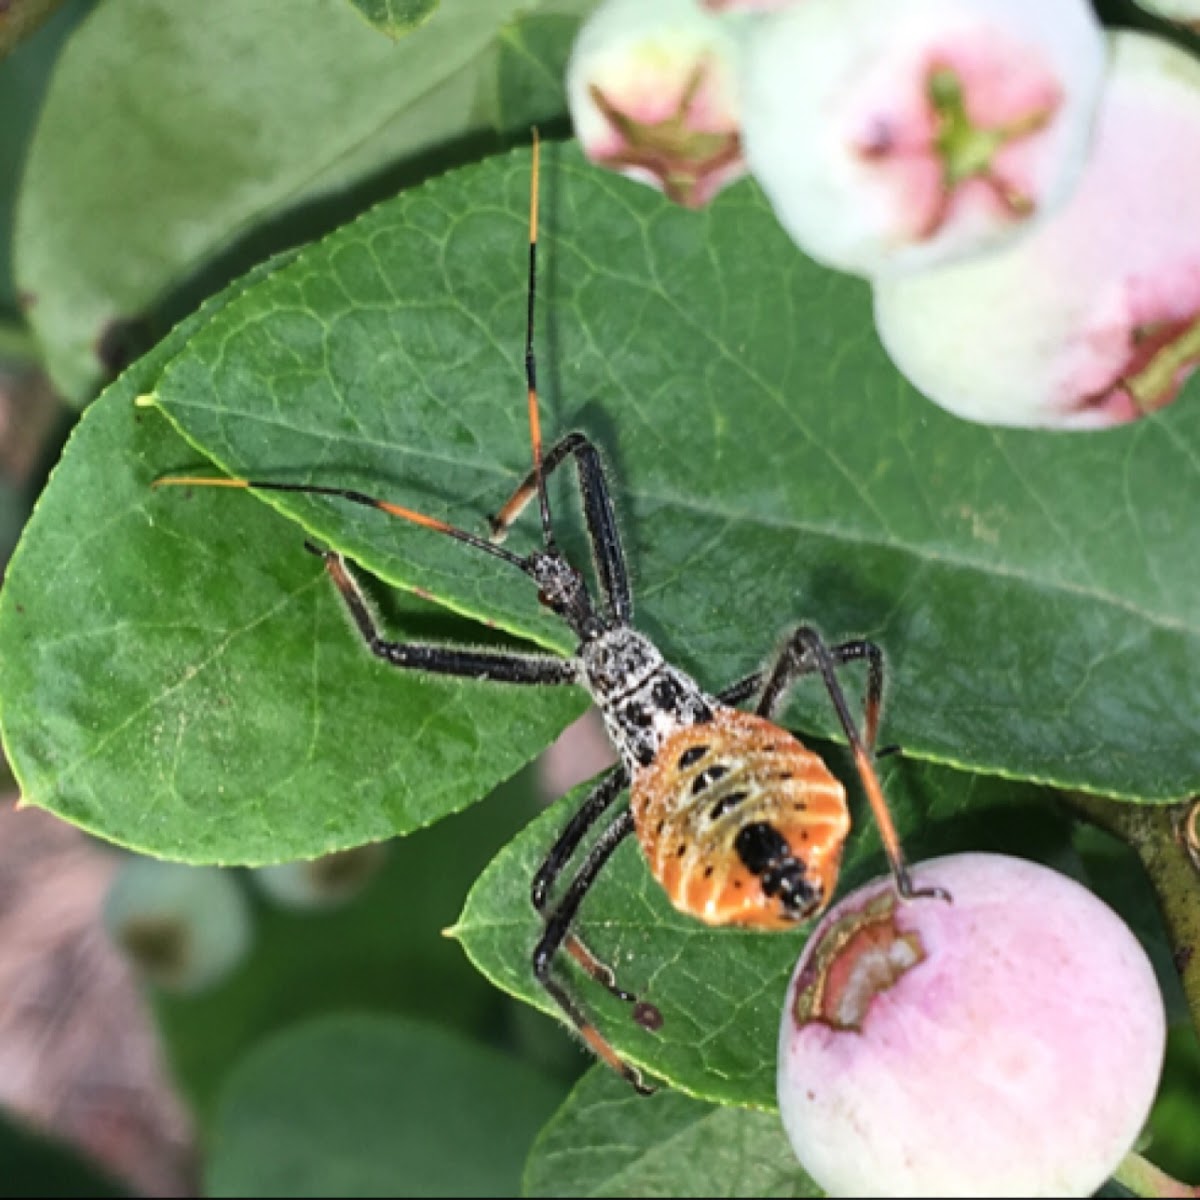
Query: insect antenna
point(355, 497)
point(537, 477)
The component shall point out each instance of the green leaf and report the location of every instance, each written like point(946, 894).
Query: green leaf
point(721, 991)
point(368, 1106)
point(23, 81)
point(224, 119)
point(382, 952)
point(608, 1141)
point(396, 17)
point(1034, 593)
point(189, 686)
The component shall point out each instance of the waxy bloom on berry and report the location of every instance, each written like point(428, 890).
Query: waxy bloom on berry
point(747, 6)
point(185, 928)
point(653, 91)
point(1007, 1043)
point(890, 135)
point(1094, 319)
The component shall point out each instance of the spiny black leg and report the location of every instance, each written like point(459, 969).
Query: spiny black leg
point(588, 813)
point(500, 666)
point(598, 510)
point(558, 929)
point(608, 789)
point(804, 653)
point(792, 663)
point(585, 817)
point(741, 690)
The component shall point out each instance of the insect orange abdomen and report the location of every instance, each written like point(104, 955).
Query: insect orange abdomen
point(708, 782)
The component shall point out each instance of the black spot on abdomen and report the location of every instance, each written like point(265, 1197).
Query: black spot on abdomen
point(708, 777)
point(731, 801)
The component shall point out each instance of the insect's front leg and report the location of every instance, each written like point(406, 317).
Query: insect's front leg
point(496, 665)
point(607, 552)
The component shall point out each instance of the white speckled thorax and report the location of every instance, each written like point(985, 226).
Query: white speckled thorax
point(642, 698)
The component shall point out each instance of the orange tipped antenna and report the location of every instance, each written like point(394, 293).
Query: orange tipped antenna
point(395, 510)
point(535, 424)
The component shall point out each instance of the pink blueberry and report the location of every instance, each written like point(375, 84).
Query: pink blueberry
point(653, 91)
point(1094, 318)
point(892, 136)
point(1005, 1043)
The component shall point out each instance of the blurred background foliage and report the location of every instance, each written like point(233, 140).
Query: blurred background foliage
point(150, 153)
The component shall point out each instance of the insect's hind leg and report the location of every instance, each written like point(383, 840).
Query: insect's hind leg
point(497, 665)
point(792, 663)
point(598, 512)
point(585, 817)
point(558, 932)
point(806, 653)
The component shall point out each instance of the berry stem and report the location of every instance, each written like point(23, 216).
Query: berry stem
point(1167, 840)
point(1143, 1178)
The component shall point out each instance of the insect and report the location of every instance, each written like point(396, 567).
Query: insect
point(738, 820)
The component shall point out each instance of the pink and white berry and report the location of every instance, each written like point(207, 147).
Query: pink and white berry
point(748, 6)
point(184, 928)
point(1007, 1043)
point(1094, 318)
point(653, 91)
point(891, 135)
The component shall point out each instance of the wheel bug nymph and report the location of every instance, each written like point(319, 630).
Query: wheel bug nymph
point(739, 822)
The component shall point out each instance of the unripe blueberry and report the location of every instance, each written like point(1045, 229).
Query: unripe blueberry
point(653, 93)
point(324, 882)
point(890, 135)
point(185, 928)
point(1094, 318)
point(1007, 1043)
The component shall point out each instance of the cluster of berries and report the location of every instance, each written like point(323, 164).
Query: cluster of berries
point(1021, 186)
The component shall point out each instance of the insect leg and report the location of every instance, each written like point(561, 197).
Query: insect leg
point(586, 816)
point(588, 813)
point(793, 663)
point(558, 929)
point(501, 666)
point(598, 512)
point(806, 653)
point(741, 690)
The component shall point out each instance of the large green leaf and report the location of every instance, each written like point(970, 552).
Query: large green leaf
point(608, 1141)
point(190, 687)
point(371, 1106)
point(1034, 592)
point(382, 952)
point(721, 991)
point(172, 130)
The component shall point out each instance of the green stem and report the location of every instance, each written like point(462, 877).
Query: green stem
point(1143, 1178)
point(1166, 837)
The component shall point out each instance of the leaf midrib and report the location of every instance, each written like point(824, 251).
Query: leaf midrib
point(924, 556)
